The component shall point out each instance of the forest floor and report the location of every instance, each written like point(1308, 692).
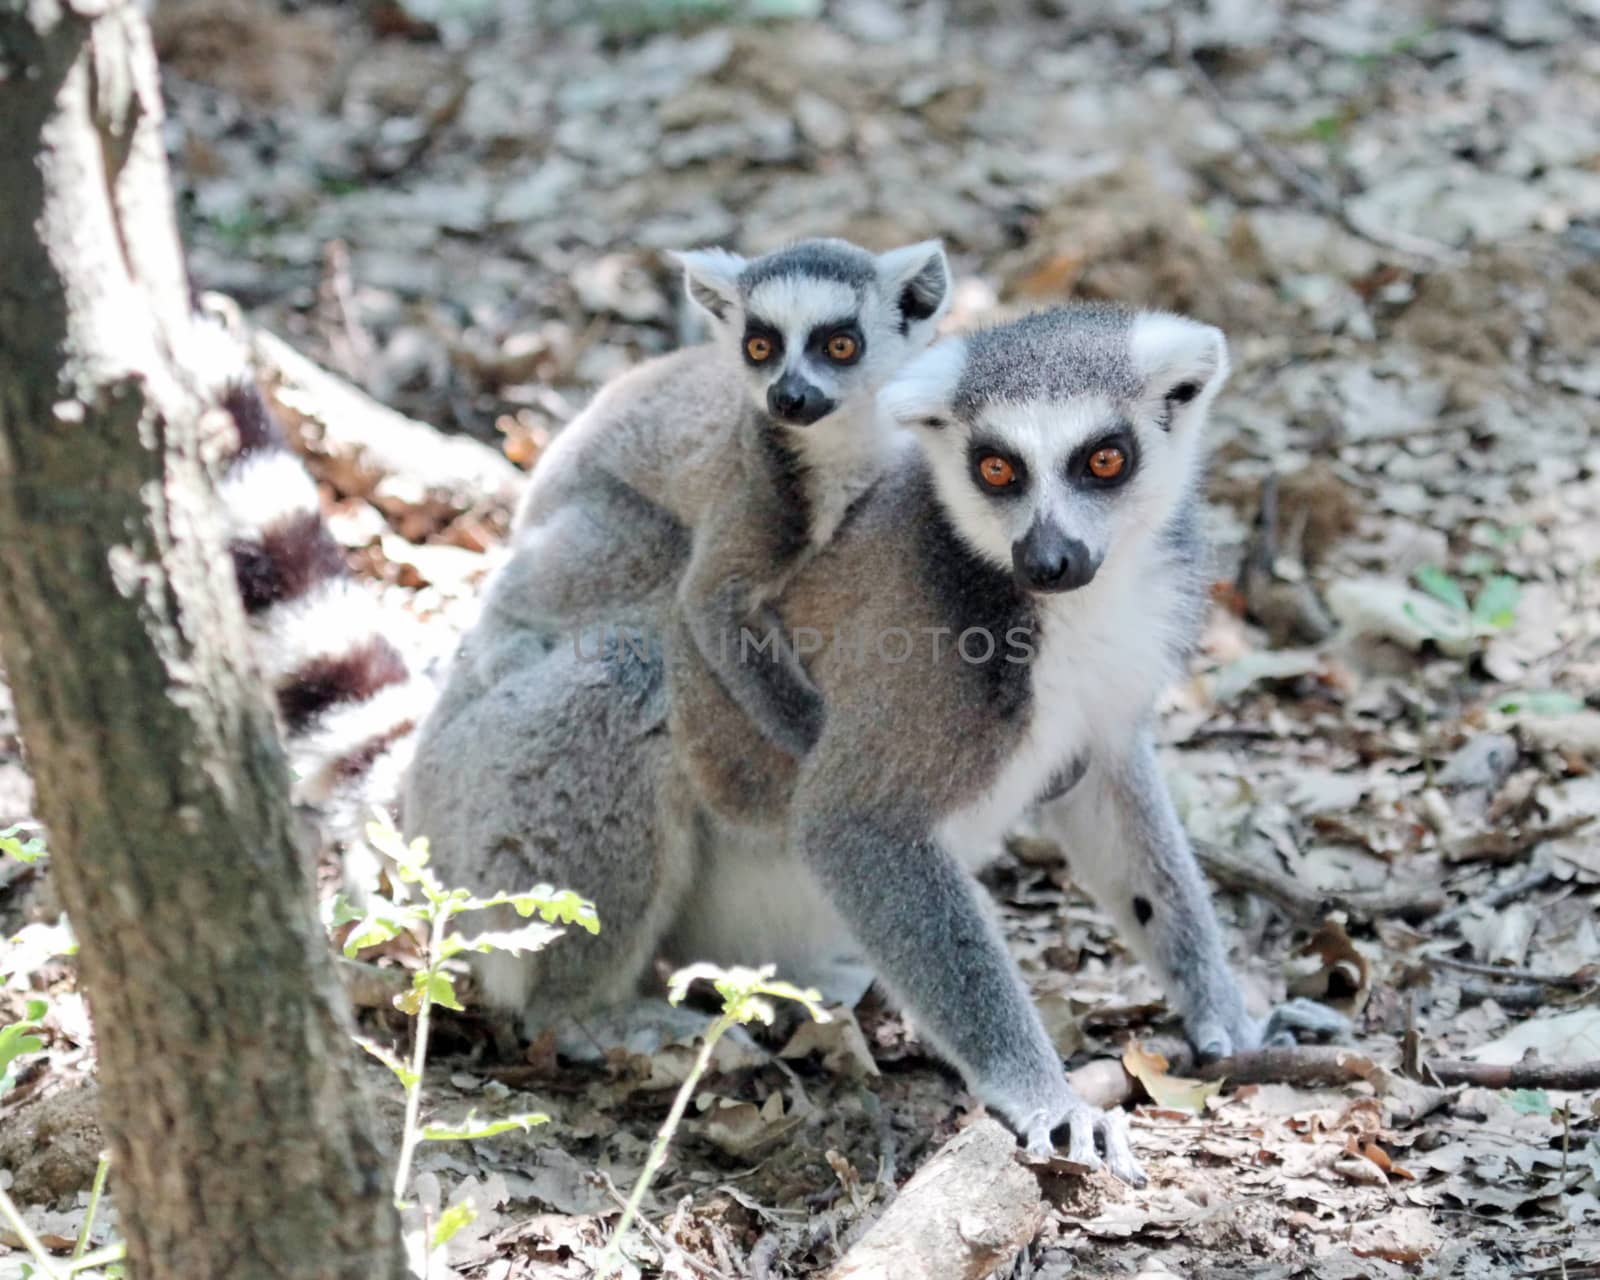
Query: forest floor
point(1393, 728)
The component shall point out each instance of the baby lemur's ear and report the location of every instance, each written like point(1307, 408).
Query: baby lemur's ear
point(923, 392)
point(917, 276)
point(1181, 362)
point(712, 278)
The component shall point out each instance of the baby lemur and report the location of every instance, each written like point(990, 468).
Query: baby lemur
point(1007, 602)
point(709, 476)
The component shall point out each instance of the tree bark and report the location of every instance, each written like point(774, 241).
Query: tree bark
point(243, 1144)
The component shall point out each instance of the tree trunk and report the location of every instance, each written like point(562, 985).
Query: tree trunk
point(243, 1144)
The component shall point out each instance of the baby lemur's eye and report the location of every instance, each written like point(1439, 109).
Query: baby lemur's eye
point(996, 472)
point(1107, 463)
point(842, 347)
point(758, 348)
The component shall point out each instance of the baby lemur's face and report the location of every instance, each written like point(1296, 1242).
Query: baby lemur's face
point(821, 325)
point(1065, 439)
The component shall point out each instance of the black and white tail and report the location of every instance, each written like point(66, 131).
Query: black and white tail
point(347, 698)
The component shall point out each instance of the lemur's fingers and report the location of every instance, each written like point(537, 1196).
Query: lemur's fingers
point(1211, 1040)
point(1297, 1017)
point(1112, 1128)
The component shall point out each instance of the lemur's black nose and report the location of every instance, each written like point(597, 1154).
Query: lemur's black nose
point(1046, 559)
point(793, 400)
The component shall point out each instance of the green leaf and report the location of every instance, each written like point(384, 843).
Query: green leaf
point(1530, 1102)
point(741, 990)
point(1440, 585)
point(1496, 605)
point(1540, 702)
point(17, 1038)
point(431, 986)
point(451, 1221)
point(471, 1128)
point(403, 1073)
point(374, 930)
point(552, 905)
point(14, 846)
point(530, 937)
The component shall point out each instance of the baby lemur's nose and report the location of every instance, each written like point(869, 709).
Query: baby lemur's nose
point(1046, 559)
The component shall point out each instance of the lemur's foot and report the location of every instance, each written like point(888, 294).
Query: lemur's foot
point(1215, 1036)
point(1297, 1019)
point(643, 1026)
point(1094, 1138)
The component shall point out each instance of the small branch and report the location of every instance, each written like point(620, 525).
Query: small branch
point(1580, 1077)
point(1579, 981)
point(13, 1218)
point(965, 1215)
point(1504, 846)
point(1530, 883)
point(1290, 174)
point(1308, 905)
point(1314, 1066)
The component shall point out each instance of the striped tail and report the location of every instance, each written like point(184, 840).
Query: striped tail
point(347, 699)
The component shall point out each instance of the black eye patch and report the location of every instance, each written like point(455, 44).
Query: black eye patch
point(1183, 393)
point(1080, 470)
point(996, 471)
point(759, 331)
point(846, 332)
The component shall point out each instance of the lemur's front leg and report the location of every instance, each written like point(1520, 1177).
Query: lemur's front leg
point(923, 926)
point(1127, 847)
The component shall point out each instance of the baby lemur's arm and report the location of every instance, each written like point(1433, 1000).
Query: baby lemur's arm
point(1127, 847)
point(740, 637)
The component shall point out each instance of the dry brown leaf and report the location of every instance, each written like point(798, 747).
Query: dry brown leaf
point(1171, 1093)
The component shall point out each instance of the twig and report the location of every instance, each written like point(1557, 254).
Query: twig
point(1308, 185)
point(1570, 981)
point(1502, 846)
point(30, 1242)
point(1310, 1066)
point(1577, 1077)
point(95, 1192)
point(1308, 905)
point(1530, 883)
point(657, 1237)
point(964, 1215)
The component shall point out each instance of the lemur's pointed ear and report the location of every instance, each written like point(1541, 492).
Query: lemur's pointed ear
point(1181, 362)
point(712, 278)
point(917, 276)
point(923, 392)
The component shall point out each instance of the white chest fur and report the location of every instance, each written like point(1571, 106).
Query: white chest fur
point(844, 456)
point(1103, 655)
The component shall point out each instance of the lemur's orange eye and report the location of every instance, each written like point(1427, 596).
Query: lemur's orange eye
point(997, 473)
point(842, 347)
point(758, 348)
point(1107, 463)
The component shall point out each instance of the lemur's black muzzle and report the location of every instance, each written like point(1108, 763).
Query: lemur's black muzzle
point(1046, 559)
point(794, 401)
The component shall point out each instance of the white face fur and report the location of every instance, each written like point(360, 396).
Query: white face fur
point(1056, 476)
point(820, 326)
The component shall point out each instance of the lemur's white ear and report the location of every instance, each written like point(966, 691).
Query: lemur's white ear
point(712, 278)
point(918, 277)
point(921, 394)
point(1181, 362)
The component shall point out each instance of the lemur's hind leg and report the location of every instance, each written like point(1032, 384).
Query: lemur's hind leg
point(1127, 847)
point(612, 557)
point(554, 774)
